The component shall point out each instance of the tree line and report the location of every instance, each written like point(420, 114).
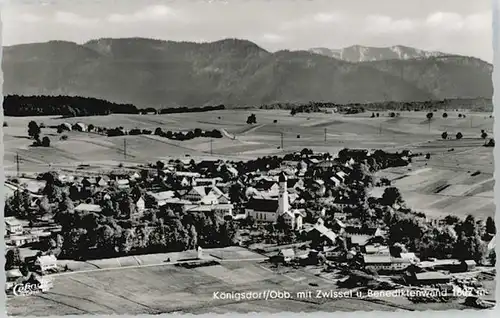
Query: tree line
point(76, 106)
point(67, 106)
point(476, 104)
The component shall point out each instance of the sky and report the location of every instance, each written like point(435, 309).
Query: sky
point(452, 26)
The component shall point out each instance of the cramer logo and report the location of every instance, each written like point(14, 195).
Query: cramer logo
point(28, 289)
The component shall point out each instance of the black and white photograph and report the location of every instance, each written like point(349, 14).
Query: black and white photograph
point(228, 157)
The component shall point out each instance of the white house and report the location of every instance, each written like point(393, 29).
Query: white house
point(46, 262)
point(13, 225)
point(294, 219)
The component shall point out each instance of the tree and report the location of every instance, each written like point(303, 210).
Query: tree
point(158, 131)
point(159, 168)
point(459, 115)
point(451, 219)
point(44, 206)
point(76, 243)
point(5, 124)
point(91, 127)
point(445, 115)
point(293, 112)
point(391, 196)
point(13, 258)
point(252, 119)
point(490, 225)
point(429, 116)
point(484, 135)
point(459, 135)
point(45, 141)
point(492, 257)
point(227, 234)
point(444, 135)
point(126, 242)
point(33, 129)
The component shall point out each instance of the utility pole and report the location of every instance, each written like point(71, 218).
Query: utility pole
point(281, 133)
point(380, 129)
point(124, 148)
point(325, 134)
point(211, 147)
point(17, 164)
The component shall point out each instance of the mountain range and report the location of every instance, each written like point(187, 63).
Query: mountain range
point(358, 53)
point(233, 72)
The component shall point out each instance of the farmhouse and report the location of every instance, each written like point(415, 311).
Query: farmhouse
point(218, 209)
point(187, 174)
point(206, 181)
point(206, 195)
point(161, 198)
point(427, 278)
point(13, 225)
point(80, 127)
point(85, 207)
point(46, 262)
point(385, 263)
point(20, 240)
point(320, 234)
point(287, 254)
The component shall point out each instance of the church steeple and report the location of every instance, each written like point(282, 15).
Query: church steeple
point(284, 204)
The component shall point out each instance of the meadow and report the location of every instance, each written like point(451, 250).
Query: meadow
point(457, 179)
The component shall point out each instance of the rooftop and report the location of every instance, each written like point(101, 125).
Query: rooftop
point(88, 207)
point(160, 196)
point(431, 275)
point(263, 205)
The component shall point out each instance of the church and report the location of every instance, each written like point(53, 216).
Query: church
point(268, 210)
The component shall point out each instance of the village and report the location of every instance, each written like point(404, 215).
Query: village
point(305, 211)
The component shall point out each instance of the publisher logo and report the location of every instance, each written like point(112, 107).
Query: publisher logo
point(28, 289)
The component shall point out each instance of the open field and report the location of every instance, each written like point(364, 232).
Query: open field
point(168, 288)
point(447, 187)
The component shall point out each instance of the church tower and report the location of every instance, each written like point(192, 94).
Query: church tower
point(284, 203)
